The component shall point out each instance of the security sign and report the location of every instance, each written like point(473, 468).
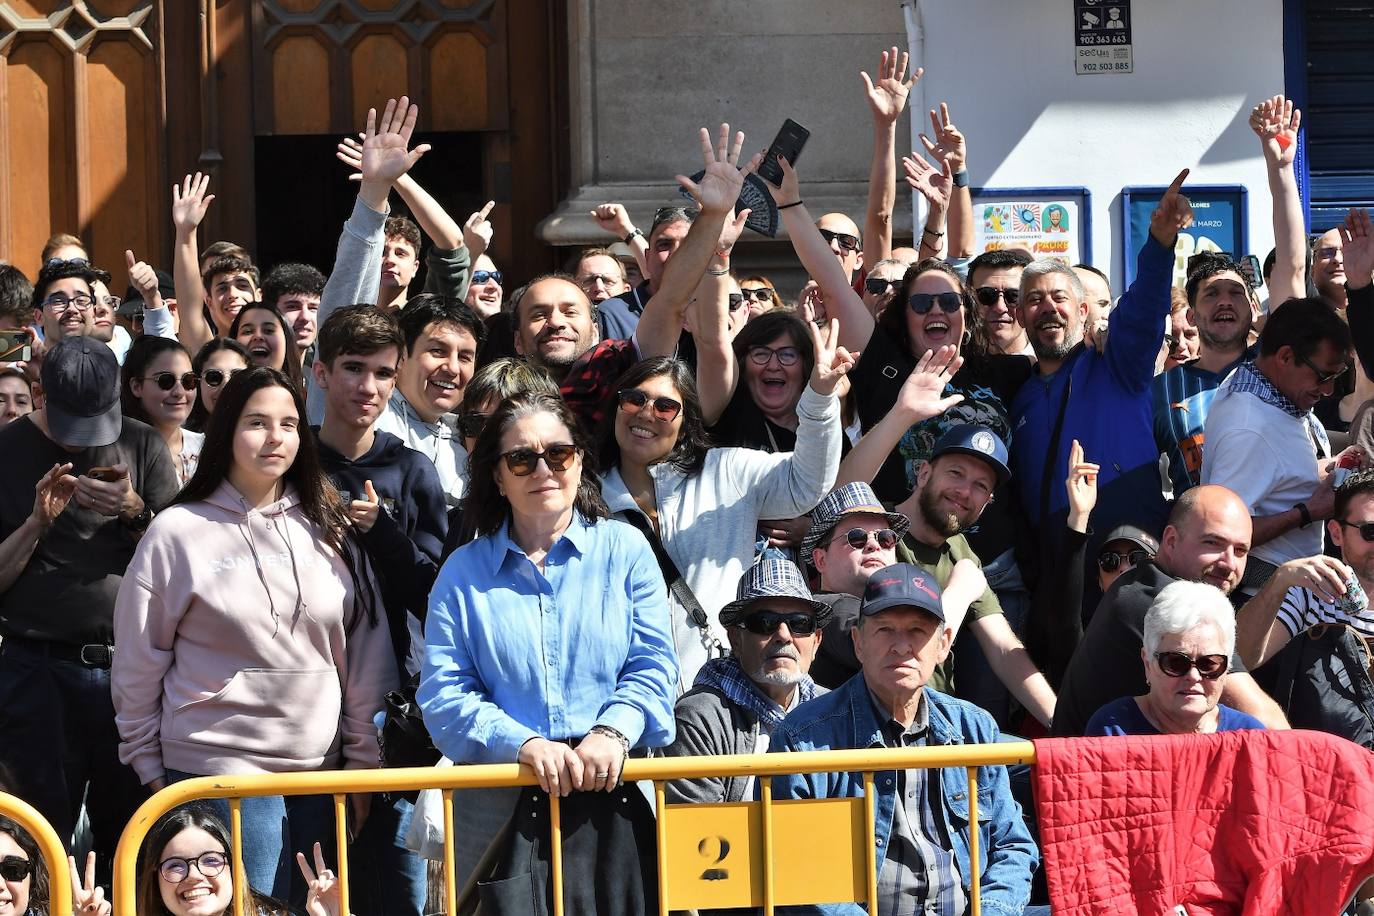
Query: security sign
point(1102, 36)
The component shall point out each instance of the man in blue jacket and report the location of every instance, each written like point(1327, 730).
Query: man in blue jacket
point(921, 818)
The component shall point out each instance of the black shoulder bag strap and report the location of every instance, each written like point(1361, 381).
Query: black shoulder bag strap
point(677, 585)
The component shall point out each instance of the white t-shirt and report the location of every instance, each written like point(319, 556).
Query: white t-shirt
point(439, 442)
point(1302, 610)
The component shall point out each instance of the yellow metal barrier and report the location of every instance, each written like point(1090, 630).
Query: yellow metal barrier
point(49, 844)
point(708, 855)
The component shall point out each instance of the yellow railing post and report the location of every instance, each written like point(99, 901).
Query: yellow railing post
point(766, 796)
point(238, 874)
point(661, 830)
point(974, 838)
point(556, 852)
point(49, 845)
point(341, 847)
point(871, 819)
point(450, 858)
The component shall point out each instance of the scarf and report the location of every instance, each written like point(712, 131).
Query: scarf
point(726, 675)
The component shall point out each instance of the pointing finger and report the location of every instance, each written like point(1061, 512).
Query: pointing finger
point(1176, 184)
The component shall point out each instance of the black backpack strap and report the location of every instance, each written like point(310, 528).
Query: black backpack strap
point(677, 585)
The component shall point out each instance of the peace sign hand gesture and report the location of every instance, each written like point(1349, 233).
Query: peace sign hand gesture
point(1173, 215)
point(887, 97)
point(88, 899)
point(833, 362)
point(323, 894)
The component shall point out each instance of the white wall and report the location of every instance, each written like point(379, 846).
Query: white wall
point(1006, 67)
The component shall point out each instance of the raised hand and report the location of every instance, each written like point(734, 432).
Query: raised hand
point(923, 393)
point(613, 218)
point(477, 231)
point(143, 278)
point(720, 185)
point(948, 145)
point(350, 153)
point(789, 192)
point(732, 230)
point(887, 97)
point(1275, 121)
point(323, 896)
point(1357, 248)
point(51, 495)
point(1082, 487)
point(386, 154)
point(87, 896)
point(935, 185)
point(189, 203)
point(833, 362)
point(1173, 215)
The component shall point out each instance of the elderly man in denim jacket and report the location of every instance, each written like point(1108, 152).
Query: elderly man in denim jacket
point(921, 820)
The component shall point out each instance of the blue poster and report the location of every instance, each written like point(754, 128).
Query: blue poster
point(1220, 223)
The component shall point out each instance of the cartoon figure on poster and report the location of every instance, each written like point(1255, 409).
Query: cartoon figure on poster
point(996, 218)
point(1027, 218)
point(1056, 219)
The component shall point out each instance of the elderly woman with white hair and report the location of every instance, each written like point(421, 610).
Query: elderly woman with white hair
point(1190, 636)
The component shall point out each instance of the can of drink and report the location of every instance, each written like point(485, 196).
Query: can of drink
point(1354, 602)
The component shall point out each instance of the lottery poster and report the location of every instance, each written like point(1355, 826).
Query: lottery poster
point(1047, 225)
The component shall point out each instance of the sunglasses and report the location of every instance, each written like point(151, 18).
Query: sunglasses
point(168, 380)
point(949, 303)
point(988, 295)
point(876, 286)
point(1366, 529)
point(1323, 377)
point(766, 623)
point(15, 868)
point(762, 356)
point(60, 262)
point(174, 870)
point(736, 300)
point(757, 293)
point(632, 401)
point(846, 241)
point(1110, 560)
point(1176, 664)
point(216, 377)
point(470, 425)
point(480, 277)
point(857, 538)
point(523, 461)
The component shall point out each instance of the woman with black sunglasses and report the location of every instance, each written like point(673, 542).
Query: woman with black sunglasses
point(214, 365)
point(547, 643)
point(24, 882)
point(159, 388)
point(1190, 636)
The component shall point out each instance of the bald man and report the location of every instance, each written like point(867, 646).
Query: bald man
point(1206, 540)
point(844, 238)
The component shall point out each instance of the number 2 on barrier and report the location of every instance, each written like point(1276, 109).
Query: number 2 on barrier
point(714, 848)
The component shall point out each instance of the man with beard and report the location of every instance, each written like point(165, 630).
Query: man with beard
point(1207, 540)
point(1219, 304)
point(774, 627)
point(1100, 399)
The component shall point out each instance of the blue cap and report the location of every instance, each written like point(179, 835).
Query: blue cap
point(902, 585)
point(979, 441)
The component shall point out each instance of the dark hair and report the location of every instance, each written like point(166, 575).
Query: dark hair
point(1205, 267)
point(12, 372)
point(60, 270)
point(231, 264)
point(291, 357)
point(319, 499)
point(38, 885)
point(220, 249)
point(505, 378)
point(357, 329)
point(485, 505)
point(200, 416)
point(193, 816)
point(16, 295)
point(689, 452)
point(402, 227)
point(1357, 484)
point(288, 278)
point(1304, 324)
point(553, 275)
point(761, 330)
point(998, 259)
point(427, 308)
point(892, 319)
point(673, 213)
point(142, 352)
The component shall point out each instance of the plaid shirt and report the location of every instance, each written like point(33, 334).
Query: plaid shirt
point(588, 385)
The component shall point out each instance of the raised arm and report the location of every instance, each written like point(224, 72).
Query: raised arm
point(1259, 631)
point(886, 100)
point(615, 219)
point(950, 148)
point(1357, 247)
point(717, 369)
point(937, 187)
point(189, 204)
point(1275, 121)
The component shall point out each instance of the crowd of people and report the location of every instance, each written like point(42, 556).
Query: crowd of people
point(651, 506)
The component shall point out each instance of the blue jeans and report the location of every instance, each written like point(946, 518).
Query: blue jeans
point(386, 878)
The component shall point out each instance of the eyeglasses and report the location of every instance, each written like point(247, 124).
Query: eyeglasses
point(1326, 253)
point(857, 538)
point(58, 302)
point(168, 380)
point(988, 295)
point(762, 356)
point(480, 277)
point(15, 868)
point(62, 262)
point(847, 242)
point(1110, 560)
point(1176, 664)
point(1323, 377)
point(949, 303)
point(216, 377)
point(111, 302)
point(470, 425)
point(766, 623)
point(1366, 529)
point(632, 401)
point(175, 869)
point(523, 461)
point(736, 300)
point(877, 286)
point(757, 293)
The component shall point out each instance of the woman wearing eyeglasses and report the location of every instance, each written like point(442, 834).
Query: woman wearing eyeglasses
point(547, 643)
point(216, 362)
point(159, 388)
point(1190, 636)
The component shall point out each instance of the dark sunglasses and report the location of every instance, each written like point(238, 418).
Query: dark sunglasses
point(949, 303)
point(523, 461)
point(857, 538)
point(766, 623)
point(757, 293)
point(175, 869)
point(216, 377)
point(1323, 377)
point(876, 286)
point(15, 868)
point(1176, 664)
point(847, 242)
point(60, 262)
point(1366, 529)
point(168, 380)
point(470, 425)
point(480, 277)
point(632, 401)
point(736, 300)
point(1110, 560)
point(762, 356)
point(988, 295)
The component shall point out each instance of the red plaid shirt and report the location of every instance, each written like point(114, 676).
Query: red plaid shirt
point(588, 384)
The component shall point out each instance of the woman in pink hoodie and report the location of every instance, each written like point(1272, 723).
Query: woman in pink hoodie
point(248, 628)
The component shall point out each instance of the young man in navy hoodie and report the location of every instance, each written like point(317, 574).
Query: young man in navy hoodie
point(393, 495)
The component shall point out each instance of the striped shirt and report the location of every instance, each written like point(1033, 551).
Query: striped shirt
point(1180, 399)
point(1301, 610)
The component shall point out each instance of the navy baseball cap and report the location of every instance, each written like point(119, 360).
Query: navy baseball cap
point(81, 392)
point(979, 441)
point(902, 585)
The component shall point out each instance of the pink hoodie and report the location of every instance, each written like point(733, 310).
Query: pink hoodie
point(231, 655)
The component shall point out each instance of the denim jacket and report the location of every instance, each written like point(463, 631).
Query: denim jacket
point(845, 719)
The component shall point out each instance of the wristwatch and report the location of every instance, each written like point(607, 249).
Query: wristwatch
point(961, 178)
point(631, 237)
point(140, 522)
